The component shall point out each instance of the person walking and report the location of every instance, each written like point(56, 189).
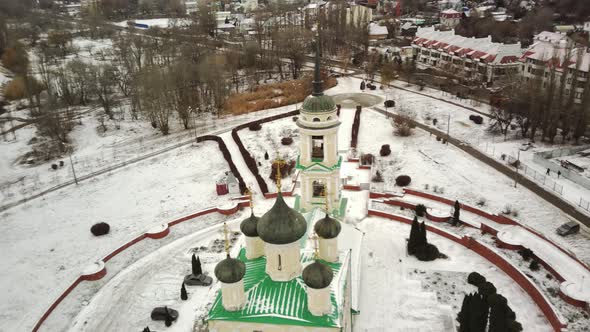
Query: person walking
point(558, 174)
point(548, 173)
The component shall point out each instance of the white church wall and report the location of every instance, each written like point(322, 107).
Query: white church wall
point(283, 261)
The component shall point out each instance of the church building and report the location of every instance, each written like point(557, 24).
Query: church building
point(299, 270)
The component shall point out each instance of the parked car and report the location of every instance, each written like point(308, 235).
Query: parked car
point(160, 313)
point(568, 228)
point(198, 280)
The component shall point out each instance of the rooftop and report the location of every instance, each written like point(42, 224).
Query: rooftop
point(282, 303)
point(475, 48)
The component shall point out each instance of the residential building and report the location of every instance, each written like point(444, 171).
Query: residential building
point(477, 59)
point(587, 29)
point(450, 18)
point(551, 56)
point(377, 32)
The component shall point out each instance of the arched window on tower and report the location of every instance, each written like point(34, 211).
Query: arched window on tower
point(317, 151)
point(319, 188)
point(316, 119)
point(280, 267)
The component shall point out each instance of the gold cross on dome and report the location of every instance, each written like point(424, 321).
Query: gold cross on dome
point(279, 163)
point(225, 232)
point(326, 198)
point(249, 195)
point(315, 238)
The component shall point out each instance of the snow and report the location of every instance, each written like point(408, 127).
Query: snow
point(391, 299)
point(154, 281)
point(155, 190)
point(574, 273)
point(53, 232)
point(158, 22)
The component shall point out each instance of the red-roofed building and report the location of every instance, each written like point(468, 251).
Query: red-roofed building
point(473, 58)
point(450, 18)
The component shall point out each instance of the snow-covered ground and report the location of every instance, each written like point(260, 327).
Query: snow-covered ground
point(268, 140)
point(47, 242)
point(392, 300)
point(456, 120)
point(50, 237)
point(158, 22)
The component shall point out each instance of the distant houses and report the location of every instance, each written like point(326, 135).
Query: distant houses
point(472, 58)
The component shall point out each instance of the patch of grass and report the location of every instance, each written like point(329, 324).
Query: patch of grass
point(272, 95)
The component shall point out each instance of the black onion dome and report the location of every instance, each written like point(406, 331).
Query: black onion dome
point(281, 224)
point(230, 270)
point(317, 275)
point(327, 228)
point(248, 226)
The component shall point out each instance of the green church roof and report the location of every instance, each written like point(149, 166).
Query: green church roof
point(318, 104)
point(272, 302)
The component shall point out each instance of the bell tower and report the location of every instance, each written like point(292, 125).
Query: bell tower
point(318, 159)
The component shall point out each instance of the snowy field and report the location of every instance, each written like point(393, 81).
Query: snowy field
point(395, 300)
point(50, 237)
point(268, 140)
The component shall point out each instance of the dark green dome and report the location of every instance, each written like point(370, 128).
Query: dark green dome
point(327, 228)
point(248, 226)
point(317, 275)
point(230, 270)
point(318, 104)
point(281, 224)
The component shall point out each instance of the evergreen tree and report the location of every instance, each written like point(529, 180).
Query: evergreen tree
point(183, 294)
point(481, 309)
point(363, 85)
point(194, 264)
point(422, 239)
point(457, 213)
point(414, 235)
point(199, 268)
point(147, 329)
point(266, 155)
point(463, 316)
point(498, 314)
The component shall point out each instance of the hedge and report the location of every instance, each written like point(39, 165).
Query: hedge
point(355, 127)
point(250, 161)
point(227, 157)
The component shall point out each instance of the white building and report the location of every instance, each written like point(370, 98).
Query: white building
point(556, 52)
point(472, 58)
point(587, 29)
point(450, 18)
point(282, 281)
point(377, 32)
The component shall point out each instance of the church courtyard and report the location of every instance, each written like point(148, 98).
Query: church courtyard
point(390, 290)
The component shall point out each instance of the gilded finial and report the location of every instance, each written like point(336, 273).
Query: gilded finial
point(249, 194)
point(278, 163)
point(315, 246)
point(225, 232)
point(326, 199)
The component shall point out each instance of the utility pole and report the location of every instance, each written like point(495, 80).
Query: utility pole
point(73, 170)
point(516, 165)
